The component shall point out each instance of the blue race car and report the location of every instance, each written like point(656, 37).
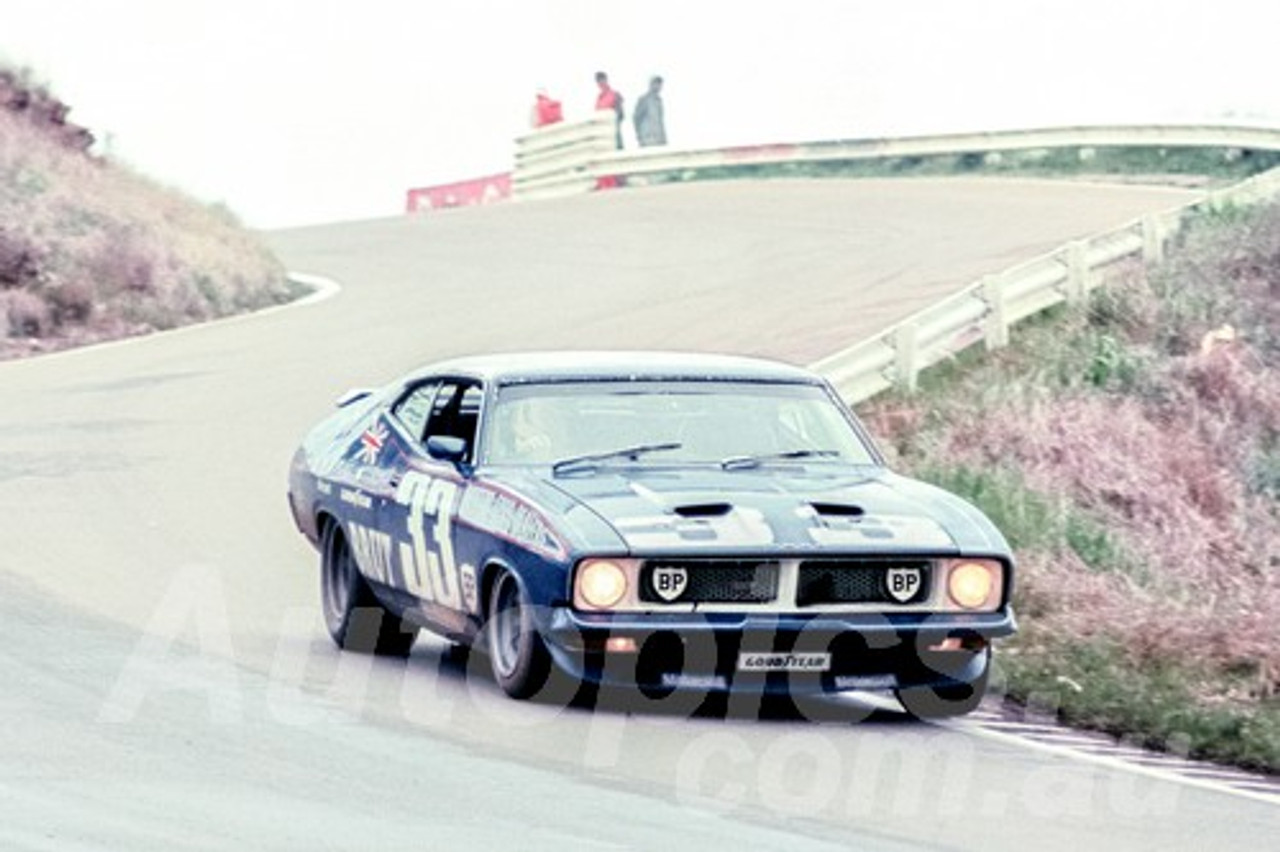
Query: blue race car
point(657, 521)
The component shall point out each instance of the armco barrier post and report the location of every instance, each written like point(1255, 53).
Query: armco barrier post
point(905, 361)
point(1152, 239)
point(1077, 272)
point(996, 332)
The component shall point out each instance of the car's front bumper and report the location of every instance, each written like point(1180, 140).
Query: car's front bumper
point(704, 651)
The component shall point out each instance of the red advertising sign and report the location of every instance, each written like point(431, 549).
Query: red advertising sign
point(465, 193)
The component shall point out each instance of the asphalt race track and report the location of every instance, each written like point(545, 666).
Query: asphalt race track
point(167, 680)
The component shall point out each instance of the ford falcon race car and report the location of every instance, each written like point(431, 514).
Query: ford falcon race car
point(658, 521)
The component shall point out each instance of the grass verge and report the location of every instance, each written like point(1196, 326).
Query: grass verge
point(1096, 685)
point(1128, 449)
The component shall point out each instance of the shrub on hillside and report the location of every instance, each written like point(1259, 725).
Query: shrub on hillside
point(19, 260)
point(90, 250)
point(35, 105)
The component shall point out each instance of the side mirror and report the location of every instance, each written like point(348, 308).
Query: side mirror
point(446, 448)
point(353, 395)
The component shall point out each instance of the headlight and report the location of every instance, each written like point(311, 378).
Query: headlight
point(974, 584)
point(600, 584)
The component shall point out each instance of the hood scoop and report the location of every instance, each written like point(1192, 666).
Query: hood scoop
point(838, 510)
point(703, 510)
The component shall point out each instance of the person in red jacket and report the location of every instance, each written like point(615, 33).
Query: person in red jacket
point(609, 98)
point(546, 110)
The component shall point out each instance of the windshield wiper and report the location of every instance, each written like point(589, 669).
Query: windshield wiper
point(746, 462)
point(631, 453)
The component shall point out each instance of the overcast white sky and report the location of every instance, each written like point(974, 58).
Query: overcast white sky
point(302, 111)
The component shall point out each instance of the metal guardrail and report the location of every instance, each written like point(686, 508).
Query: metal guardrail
point(562, 158)
point(658, 160)
point(569, 158)
point(986, 310)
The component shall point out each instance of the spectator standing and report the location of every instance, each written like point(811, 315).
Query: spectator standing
point(610, 99)
point(650, 126)
point(546, 110)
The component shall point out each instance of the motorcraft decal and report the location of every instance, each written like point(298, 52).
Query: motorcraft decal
point(507, 516)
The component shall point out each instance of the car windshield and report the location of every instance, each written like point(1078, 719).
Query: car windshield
point(703, 421)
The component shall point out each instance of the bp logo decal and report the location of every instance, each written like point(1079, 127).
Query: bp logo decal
point(669, 582)
point(903, 583)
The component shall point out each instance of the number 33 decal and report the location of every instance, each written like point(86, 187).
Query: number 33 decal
point(431, 571)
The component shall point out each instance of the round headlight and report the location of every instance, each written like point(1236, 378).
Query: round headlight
point(970, 584)
point(601, 584)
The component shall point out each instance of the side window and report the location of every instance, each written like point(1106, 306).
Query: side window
point(415, 408)
point(456, 412)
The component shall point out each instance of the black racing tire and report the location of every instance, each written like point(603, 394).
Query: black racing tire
point(457, 654)
point(518, 657)
point(354, 617)
point(946, 702)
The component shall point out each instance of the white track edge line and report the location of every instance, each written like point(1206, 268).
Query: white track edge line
point(1111, 762)
point(325, 288)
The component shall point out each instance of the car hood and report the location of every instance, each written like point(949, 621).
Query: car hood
point(814, 508)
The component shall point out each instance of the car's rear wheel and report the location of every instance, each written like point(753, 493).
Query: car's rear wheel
point(946, 702)
point(354, 617)
point(517, 655)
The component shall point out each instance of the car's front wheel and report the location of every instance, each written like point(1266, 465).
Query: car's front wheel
point(353, 616)
point(517, 655)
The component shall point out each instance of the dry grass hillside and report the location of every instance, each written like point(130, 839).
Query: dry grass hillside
point(1130, 450)
point(90, 250)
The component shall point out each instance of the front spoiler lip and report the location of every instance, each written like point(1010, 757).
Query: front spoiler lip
point(570, 635)
point(566, 623)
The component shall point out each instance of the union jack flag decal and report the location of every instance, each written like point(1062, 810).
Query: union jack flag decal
point(371, 442)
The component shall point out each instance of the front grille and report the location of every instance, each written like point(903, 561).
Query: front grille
point(861, 581)
point(710, 581)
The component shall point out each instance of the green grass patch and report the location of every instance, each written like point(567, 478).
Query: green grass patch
point(1034, 521)
point(1026, 518)
point(1262, 475)
point(1159, 704)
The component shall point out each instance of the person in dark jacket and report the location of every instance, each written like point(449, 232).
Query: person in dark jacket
point(650, 126)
